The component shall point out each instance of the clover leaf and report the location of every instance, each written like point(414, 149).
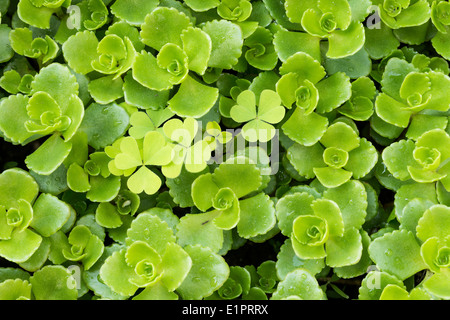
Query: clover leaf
point(259, 122)
point(181, 135)
point(153, 151)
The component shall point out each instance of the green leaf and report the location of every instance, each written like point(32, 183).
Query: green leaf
point(15, 289)
point(312, 126)
point(288, 261)
point(106, 89)
point(304, 159)
point(14, 115)
point(6, 53)
point(152, 230)
point(38, 17)
point(288, 43)
point(199, 229)
point(17, 184)
point(50, 214)
point(143, 97)
point(434, 223)
point(227, 42)
point(169, 19)
point(437, 284)
point(351, 198)
point(345, 250)
point(53, 283)
point(233, 176)
point(209, 272)
point(59, 82)
point(397, 253)
point(294, 286)
point(336, 39)
point(103, 124)
point(39, 161)
point(197, 45)
point(107, 216)
point(257, 216)
point(86, 42)
point(21, 246)
point(133, 12)
point(202, 5)
point(193, 99)
point(176, 265)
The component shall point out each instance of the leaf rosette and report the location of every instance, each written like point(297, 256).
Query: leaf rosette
point(331, 20)
point(303, 83)
point(151, 259)
point(340, 155)
point(317, 227)
point(235, 10)
point(407, 92)
point(424, 161)
point(403, 13)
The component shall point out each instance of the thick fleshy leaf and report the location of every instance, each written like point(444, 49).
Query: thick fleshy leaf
point(85, 41)
point(143, 97)
point(434, 223)
point(115, 273)
point(227, 42)
point(103, 124)
point(438, 284)
point(209, 271)
point(106, 90)
point(257, 216)
point(197, 46)
point(49, 156)
point(176, 266)
point(162, 18)
point(294, 286)
point(351, 198)
point(133, 12)
point(333, 92)
point(193, 99)
point(199, 229)
point(17, 184)
point(202, 5)
point(21, 246)
point(152, 230)
point(15, 289)
point(242, 179)
point(289, 207)
point(287, 43)
point(50, 214)
point(344, 251)
point(353, 35)
point(397, 253)
point(51, 283)
point(305, 129)
point(305, 159)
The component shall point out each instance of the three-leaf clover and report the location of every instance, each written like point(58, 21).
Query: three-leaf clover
point(259, 126)
point(131, 154)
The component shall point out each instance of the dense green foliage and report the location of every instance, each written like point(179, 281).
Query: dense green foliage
point(224, 149)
